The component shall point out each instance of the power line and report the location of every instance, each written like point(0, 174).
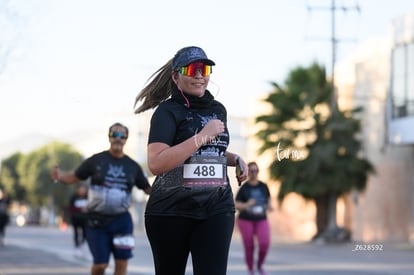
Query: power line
point(333, 8)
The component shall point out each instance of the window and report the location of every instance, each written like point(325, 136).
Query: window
point(402, 87)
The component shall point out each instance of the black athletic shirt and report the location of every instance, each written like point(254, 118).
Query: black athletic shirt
point(172, 123)
point(261, 194)
point(112, 180)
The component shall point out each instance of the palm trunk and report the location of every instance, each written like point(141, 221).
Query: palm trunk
point(333, 233)
point(332, 198)
point(322, 206)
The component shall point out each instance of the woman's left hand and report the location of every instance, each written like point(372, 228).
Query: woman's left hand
point(243, 176)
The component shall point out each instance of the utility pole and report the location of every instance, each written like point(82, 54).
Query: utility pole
point(334, 100)
point(334, 41)
point(331, 231)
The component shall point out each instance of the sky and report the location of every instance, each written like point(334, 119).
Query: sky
point(67, 65)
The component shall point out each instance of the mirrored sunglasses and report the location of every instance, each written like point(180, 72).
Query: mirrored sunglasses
point(121, 135)
point(193, 68)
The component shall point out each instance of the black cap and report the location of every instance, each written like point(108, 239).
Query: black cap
point(189, 55)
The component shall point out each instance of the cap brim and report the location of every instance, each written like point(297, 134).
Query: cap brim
point(206, 61)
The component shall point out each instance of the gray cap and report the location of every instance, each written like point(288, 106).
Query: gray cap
point(189, 55)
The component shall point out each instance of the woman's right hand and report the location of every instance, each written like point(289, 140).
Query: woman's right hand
point(212, 129)
point(251, 202)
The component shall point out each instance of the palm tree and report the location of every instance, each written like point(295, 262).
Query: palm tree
point(329, 164)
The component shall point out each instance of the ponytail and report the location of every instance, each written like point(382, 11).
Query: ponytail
point(157, 90)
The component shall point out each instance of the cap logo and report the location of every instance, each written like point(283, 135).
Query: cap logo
point(195, 53)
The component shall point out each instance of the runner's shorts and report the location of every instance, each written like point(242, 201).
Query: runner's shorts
point(116, 237)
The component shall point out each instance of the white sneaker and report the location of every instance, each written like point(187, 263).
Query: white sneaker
point(78, 253)
point(85, 249)
point(262, 271)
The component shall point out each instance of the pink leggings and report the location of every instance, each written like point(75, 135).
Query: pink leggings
point(248, 230)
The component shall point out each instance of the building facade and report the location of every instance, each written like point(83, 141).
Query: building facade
point(380, 78)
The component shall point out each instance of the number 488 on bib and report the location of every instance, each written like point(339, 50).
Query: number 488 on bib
point(204, 171)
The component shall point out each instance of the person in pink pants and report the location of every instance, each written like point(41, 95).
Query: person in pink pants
point(252, 203)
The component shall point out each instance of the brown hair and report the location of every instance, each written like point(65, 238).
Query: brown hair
point(118, 124)
point(157, 90)
point(252, 163)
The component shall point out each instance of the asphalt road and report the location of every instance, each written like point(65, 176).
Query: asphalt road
point(49, 250)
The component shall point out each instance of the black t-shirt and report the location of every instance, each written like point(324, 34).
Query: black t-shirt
point(112, 180)
point(172, 123)
point(261, 194)
point(4, 206)
point(78, 205)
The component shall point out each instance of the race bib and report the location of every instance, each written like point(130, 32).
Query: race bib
point(81, 203)
point(257, 210)
point(205, 171)
point(124, 242)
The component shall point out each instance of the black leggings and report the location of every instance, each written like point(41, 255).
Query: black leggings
point(79, 233)
point(173, 238)
point(4, 221)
